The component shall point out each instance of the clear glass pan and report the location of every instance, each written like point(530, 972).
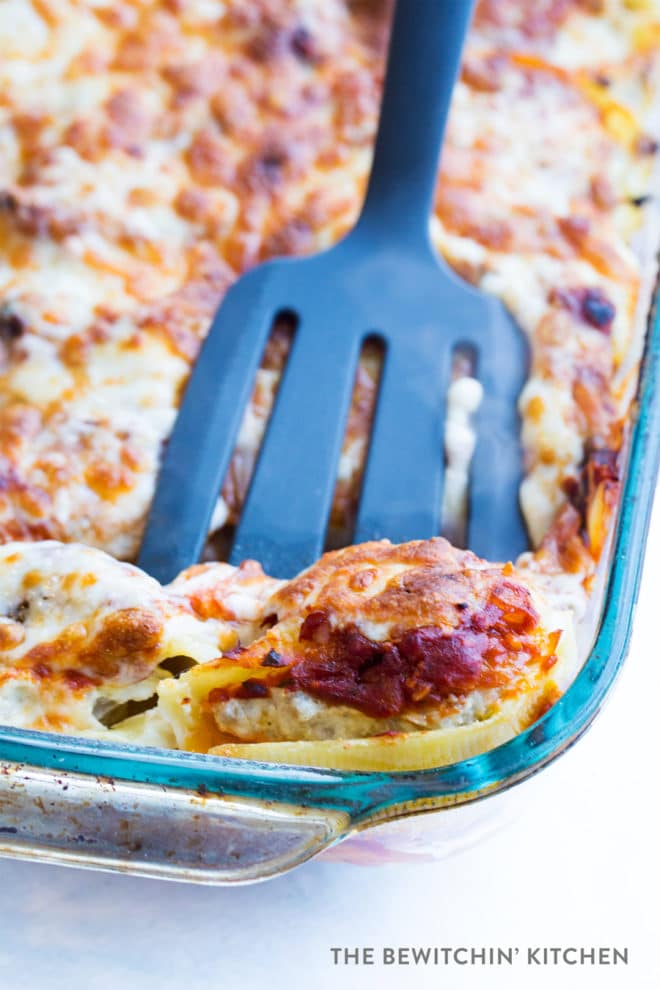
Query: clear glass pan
point(193, 817)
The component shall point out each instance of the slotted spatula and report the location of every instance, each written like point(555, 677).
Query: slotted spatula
point(384, 279)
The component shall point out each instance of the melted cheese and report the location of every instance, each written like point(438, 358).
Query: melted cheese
point(82, 633)
point(257, 696)
point(151, 152)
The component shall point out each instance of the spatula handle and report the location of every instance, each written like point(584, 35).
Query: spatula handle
point(424, 57)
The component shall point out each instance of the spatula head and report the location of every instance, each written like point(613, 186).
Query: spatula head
point(422, 312)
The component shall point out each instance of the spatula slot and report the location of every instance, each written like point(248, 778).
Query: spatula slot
point(402, 487)
point(463, 399)
point(285, 516)
point(253, 427)
point(495, 525)
point(356, 443)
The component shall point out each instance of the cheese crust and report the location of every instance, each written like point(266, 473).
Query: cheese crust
point(154, 151)
point(376, 641)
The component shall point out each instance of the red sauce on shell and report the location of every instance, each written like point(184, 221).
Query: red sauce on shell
point(382, 679)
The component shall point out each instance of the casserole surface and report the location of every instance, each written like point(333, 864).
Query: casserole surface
point(153, 153)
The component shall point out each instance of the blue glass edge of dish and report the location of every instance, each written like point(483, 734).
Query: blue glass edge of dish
point(360, 793)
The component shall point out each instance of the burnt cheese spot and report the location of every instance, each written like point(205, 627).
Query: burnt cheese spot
point(591, 305)
point(252, 688)
point(273, 659)
point(19, 612)
point(11, 326)
point(303, 44)
point(597, 309)
point(646, 145)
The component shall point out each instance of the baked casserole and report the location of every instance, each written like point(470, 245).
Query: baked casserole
point(154, 151)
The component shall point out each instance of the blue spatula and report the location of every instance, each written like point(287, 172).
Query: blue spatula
point(383, 280)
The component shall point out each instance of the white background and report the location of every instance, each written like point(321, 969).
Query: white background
point(579, 866)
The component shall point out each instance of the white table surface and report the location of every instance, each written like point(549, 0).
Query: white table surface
point(579, 867)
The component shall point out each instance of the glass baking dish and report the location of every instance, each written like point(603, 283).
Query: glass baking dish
point(202, 818)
